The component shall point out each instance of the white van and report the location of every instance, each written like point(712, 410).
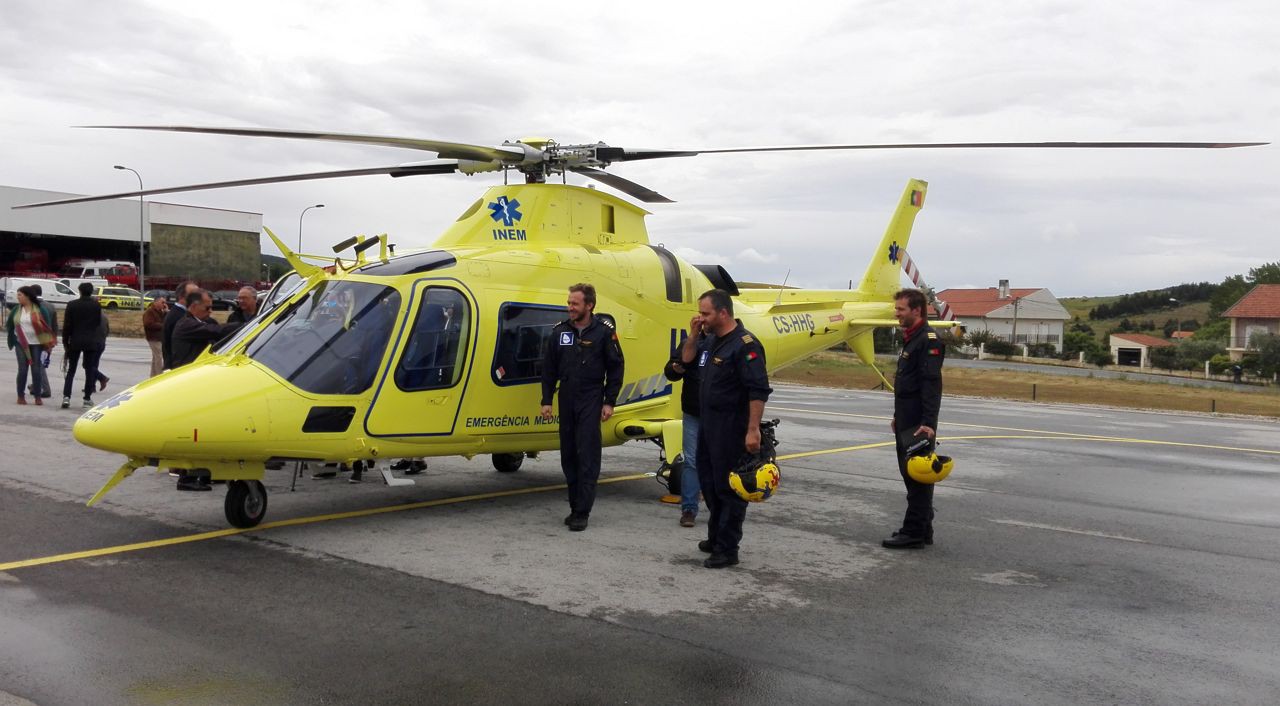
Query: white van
point(74, 282)
point(57, 294)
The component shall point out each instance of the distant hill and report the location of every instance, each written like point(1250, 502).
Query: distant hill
point(1150, 311)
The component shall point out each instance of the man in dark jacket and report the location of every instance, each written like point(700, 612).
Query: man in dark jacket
point(80, 327)
point(196, 330)
point(681, 367)
point(171, 319)
point(917, 396)
point(246, 306)
point(733, 393)
point(584, 359)
point(191, 335)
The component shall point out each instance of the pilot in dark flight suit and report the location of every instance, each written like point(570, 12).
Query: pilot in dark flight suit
point(734, 389)
point(917, 397)
point(584, 358)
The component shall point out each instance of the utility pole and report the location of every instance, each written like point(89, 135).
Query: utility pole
point(1013, 338)
point(300, 215)
point(142, 235)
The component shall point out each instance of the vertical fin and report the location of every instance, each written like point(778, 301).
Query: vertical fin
point(883, 276)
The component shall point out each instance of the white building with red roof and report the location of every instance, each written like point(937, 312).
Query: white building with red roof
point(1135, 348)
point(1024, 315)
point(1257, 312)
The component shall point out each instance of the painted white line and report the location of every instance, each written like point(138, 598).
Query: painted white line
point(1088, 533)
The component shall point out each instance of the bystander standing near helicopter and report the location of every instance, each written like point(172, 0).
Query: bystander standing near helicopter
point(584, 359)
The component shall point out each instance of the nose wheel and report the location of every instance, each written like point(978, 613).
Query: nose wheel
point(508, 463)
point(246, 503)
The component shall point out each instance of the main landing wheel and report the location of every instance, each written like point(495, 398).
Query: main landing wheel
point(508, 463)
point(246, 503)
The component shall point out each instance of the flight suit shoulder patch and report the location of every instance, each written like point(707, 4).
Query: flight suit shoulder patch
point(747, 338)
point(607, 322)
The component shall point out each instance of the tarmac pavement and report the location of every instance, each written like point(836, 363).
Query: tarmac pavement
point(1083, 555)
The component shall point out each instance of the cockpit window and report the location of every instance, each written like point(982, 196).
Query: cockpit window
point(284, 288)
point(331, 341)
point(433, 355)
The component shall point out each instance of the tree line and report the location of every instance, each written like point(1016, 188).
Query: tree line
point(1154, 300)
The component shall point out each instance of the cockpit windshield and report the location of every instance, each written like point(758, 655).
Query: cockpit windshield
point(284, 288)
point(331, 341)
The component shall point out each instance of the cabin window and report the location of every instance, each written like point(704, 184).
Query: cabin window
point(433, 355)
point(331, 340)
point(670, 273)
point(523, 330)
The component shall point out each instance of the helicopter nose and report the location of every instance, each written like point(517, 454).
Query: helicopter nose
point(195, 412)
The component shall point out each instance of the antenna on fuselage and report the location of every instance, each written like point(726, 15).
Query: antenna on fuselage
point(782, 286)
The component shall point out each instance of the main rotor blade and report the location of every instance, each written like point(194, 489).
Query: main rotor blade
point(626, 186)
point(981, 145)
point(447, 150)
point(631, 154)
point(444, 166)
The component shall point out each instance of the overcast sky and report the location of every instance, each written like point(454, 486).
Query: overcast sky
point(697, 75)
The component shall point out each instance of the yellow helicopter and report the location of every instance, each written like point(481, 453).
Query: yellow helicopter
point(362, 358)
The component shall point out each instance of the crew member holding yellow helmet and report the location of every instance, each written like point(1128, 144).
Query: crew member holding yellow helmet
point(917, 396)
point(734, 389)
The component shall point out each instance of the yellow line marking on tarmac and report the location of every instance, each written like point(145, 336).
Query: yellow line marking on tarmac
point(202, 536)
point(1056, 434)
point(297, 521)
point(823, 452)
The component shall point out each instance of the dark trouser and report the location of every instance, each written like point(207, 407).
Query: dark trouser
point(91, 359)
point(719, 447)
point(918, 521)
point(580, 451)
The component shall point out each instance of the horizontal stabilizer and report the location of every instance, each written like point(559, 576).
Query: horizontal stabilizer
point(873, 322)
point(894, 322)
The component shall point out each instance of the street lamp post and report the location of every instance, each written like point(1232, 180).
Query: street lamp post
point(300, 215)
point(142, 231)
point(1177, 320)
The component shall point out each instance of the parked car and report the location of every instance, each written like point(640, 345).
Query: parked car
point(225, 299)
point(57, 294)
point(154, 294)
point(119, 298)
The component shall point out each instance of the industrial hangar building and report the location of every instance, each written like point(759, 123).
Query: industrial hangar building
point(180, 241)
